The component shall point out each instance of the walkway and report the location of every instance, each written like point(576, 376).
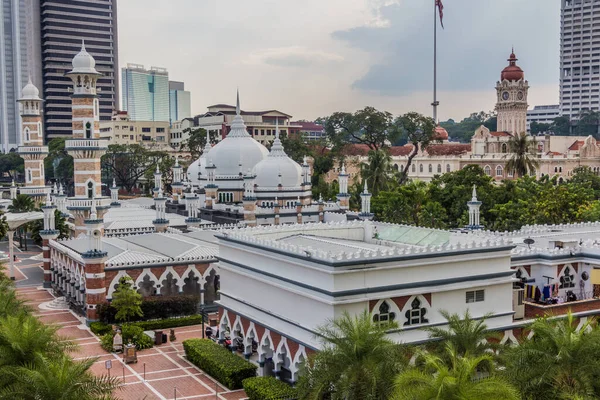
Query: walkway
point(160, 373)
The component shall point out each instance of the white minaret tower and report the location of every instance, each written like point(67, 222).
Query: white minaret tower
point(512, 98)
point(157, 181)
point(114, 194)
point(177, 184)
point(192, 205)
point(161, 223)
point(365, 209)
point(474, 205)
point(343, 196)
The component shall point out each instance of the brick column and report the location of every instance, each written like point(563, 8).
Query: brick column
point(95, 285)
point(46, 253)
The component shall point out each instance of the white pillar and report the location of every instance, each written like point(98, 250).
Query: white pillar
point(11, 254)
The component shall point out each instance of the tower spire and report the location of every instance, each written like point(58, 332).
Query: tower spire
point(277, 128)
point(237, 103)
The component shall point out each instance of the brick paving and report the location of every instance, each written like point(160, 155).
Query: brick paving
point(168, 375)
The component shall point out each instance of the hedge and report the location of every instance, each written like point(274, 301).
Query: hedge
point(157, 307)
point(219, 362)
point(268, 388)
point(100, 328)
point(130, 333)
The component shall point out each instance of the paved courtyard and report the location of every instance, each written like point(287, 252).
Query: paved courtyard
point(160, 373)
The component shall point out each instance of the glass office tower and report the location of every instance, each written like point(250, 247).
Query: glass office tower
point(179, 102)
point(145, 93)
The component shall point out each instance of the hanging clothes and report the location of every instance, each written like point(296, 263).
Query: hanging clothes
point(538, 294)
point(546, 292)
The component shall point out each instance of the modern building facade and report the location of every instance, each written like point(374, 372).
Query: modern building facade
point(145, 93)
point(121, 130)
point(64, 25)
point(20, 58)
point(180, 102)
point(579, 56)
point(542, 115)
point(310, 130)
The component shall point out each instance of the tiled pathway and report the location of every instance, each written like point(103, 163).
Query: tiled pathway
point(160, 373)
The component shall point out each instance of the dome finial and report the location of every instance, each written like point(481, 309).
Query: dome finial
point(277, 128)
point(237, 103)
point(82, 44)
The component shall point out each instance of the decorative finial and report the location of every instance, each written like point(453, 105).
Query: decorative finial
point(54, 190)
point(30, 82)
point(277, 128)
point(93, 212)
point(474, 193)
point(48, 200)
point(366, 190)
point(237, 104)
point(83, 45)
point(114, 183)
point(177, 161)
point(13, 183)
point(157, 170)
point(343, 169)
point(60, 189)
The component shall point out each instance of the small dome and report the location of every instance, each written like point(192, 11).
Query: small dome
point(30, 92)
point(267, 171)
point(513, 72)
point(83, 62)
point(440, 133)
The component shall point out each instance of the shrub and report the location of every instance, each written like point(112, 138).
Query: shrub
point(169, 323)
point(268, 388)
point(100, 328)
point(218, 362)
point(130, 333)
point(106, 341)
point(159, 307)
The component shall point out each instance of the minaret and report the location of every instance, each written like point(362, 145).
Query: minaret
point(161, 223)
point(512, 98)
point(94, 259)
point(48, 233)
point(210, 188)
point(249, 199)
point(177, 185)
point(85, 146)
point(306, 172)
point(192, 205)
point(114, 194)
point(32, 150)
point(365, 209)
point(13, 190)
point(157, 181)
point(474, 205)
point(61, 200)
point(343, 196)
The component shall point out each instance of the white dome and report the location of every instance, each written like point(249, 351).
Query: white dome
point(267, 171)
point(83, 62)
point(238, 147)
point(192, 172)
point(30, 92)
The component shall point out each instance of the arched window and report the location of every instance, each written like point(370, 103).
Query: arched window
point(416, 314)
point(421, 168)
point(559, 169)
point(27, 138)
point(401, 167)
point(504, 148)
point(90, 189)
point(88, 130)
point(487, 170)
point(555, 169)
point(439, 169)
point(396, 167)
point(96, 107)
point(29, 178)
point(499, 170)
point(430, 168)
point(385, 315)
point(414, 168)
point(447, 167)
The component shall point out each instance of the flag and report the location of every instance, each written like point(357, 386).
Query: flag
point(440, 7)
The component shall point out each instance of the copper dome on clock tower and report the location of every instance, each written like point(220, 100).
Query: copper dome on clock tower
point(512, 72)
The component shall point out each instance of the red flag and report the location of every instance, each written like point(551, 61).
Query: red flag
point(440, 7)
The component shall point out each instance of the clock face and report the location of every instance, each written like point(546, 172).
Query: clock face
point(520, 96)
point(505, 95)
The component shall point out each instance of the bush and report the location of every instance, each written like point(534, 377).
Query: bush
point(100, 328)
point(169, 323)
point(218, 362)
point(130, 333)
point(106, 341)
point(158, 307)
point(268, 388)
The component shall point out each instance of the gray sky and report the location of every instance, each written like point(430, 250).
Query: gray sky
point(310, 58)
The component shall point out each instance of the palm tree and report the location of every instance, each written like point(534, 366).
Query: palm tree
point(59, 224)
point(22, 203)
point(357, 361)
point(58, 379)
point(522, 161)
point(377, 170)
point(558, 362)
point(459, 380)
point(9, 303)
point(467, 336)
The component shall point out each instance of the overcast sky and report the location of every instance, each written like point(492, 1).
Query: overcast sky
point(310, 58)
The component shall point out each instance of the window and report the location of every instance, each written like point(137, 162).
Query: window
point(421, 168)
point(88, 130)
point(499, 170)
point(160, 130)
point(447, 167)
point(146, 130)
point(384, 316)
point(439, 168)
point(475, 296)
point(396, 167)
point(430, 168)
point(567, 280)
point(416, 314)
point(504, 148)
point(414, 168)
point(487, 170)
point(90, 189)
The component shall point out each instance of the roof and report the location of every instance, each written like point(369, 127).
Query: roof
point(576, 145)
point(448, 149)
point(308, 126)
point(363, 150)
point(500, 134)
point(229, 109)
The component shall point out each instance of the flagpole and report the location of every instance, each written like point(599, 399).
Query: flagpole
point(435, 102)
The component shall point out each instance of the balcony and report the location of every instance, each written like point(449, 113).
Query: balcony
point(85, 204)
point(86, 144)
point(33, 150)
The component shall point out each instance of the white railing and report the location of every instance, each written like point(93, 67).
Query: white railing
point(83, 143)
point(34, 190)
point(33, 149)
point(87, 203)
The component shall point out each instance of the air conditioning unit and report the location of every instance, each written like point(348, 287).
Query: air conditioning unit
point(518, 306)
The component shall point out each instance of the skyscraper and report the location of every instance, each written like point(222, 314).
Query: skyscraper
point(64, 25)
point(20, 57)
point(179, 102)
point(145, 93)
point(579, 56)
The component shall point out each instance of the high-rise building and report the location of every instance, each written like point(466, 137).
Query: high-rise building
point(145, 93)
point(180, 105)
point(542, 115)
point(64, 25)
point(20, 58)
point(579, 56)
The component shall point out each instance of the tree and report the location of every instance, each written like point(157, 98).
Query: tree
point(377, 170)
point(11, 164)
point(58, 379)
point(196, 141)
point(127, 163)
point(295, 147)
point(561, 126)
point(560, 361)
point(10, 304)
point(60, 224)
point(522, 160)
point(419, 131)
point(357, 361)
point(22, 204)
point(587, 123)
point(368, 126)
point(538, 127)
point(456, 380)
point(126, 301)
point(59, 164)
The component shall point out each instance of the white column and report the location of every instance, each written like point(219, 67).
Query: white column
point(11, 254)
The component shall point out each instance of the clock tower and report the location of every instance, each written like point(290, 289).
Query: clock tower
point(512, 98)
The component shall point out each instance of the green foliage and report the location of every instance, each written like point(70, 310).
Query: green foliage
point(561, 126)
point(21, 204)
point(463, 130)
point(130, 334)
point(158, 307)
point(128, 163)
point(60, 224)
point(538, 127)
point(522, 160)
point(218, 362)
point(196, 141)
point(11, 164)
point(367, 126)
point(587, 123)
point(377, 171)
point(100, 328)
point(126, 300)
point(169, 323)
point(419, 131)
point(59, 164)
point(357, 359)
point(268, 388)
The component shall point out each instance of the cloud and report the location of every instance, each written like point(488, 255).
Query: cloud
point(293, 56)
point(472, 49)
